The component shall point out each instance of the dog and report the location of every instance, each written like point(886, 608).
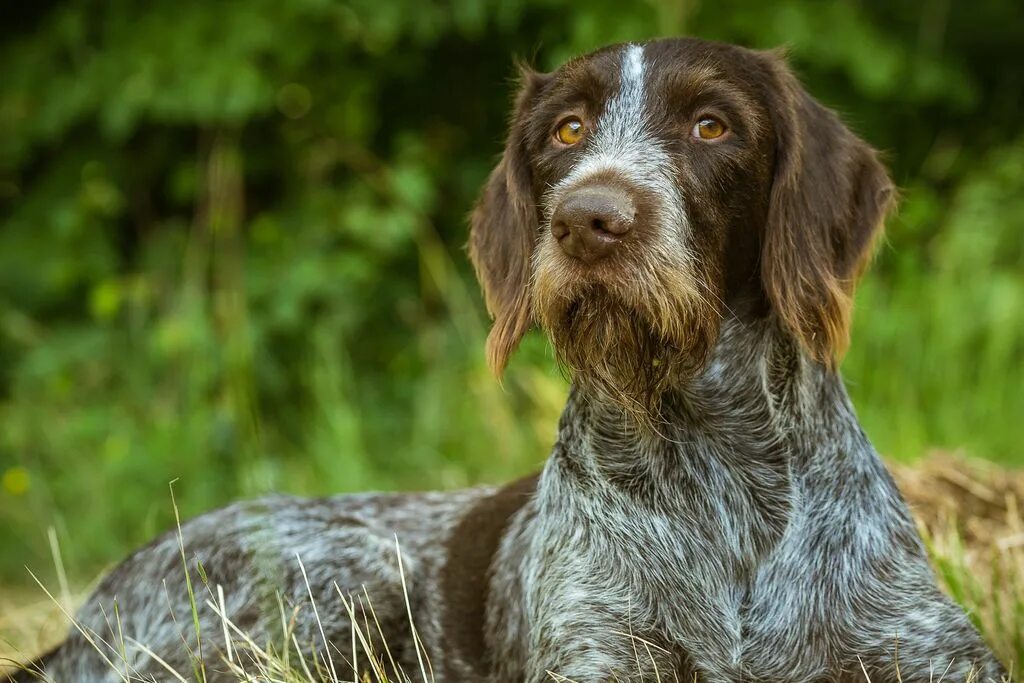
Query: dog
point(687, 224)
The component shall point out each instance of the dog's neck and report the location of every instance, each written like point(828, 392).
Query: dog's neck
point(749, 406)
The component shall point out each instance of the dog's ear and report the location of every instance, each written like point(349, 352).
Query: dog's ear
point(503, 232)
point(830, 196)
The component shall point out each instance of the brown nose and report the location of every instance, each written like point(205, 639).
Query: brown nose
point(591, 221)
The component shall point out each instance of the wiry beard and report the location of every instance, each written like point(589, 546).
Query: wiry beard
point(627, 339)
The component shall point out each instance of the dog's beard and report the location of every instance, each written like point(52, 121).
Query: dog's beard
point(631, 337)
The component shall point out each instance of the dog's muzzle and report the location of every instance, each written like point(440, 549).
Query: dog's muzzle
point(591, 222)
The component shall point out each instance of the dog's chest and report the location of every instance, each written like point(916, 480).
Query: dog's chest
point(658, 563)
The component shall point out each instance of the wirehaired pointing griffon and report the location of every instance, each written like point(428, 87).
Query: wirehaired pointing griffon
point(687, 224)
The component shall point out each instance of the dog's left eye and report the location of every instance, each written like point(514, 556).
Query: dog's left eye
point(708, 128)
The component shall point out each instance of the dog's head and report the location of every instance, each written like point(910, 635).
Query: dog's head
point(645, 190)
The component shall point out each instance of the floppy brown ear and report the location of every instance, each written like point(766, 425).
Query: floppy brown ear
point(829, 199)
point(503, 233)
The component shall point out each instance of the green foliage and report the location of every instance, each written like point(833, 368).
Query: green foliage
point(231, 242)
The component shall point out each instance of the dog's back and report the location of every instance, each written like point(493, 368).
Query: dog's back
point(288, 573)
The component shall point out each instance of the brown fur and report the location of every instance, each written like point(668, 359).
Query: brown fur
point(504, 234)
point(829, 200)
point(465, 577)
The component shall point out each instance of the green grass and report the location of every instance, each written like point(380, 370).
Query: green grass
point(937, 358)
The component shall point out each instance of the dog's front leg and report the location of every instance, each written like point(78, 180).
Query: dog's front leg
point(932, 640)
point(599, 652)
point(580, 656)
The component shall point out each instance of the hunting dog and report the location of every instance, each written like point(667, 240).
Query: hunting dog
point(687, 225)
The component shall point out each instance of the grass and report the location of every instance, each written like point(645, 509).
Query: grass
point(970, 516)
point(968, 512)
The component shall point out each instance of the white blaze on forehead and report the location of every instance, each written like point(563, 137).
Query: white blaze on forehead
point(624, 119)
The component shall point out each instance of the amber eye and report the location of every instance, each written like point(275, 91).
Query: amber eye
point(708, 128)
point(570, 131)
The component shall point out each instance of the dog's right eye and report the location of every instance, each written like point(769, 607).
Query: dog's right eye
point(570, 131)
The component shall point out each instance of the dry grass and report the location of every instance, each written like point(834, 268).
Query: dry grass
point(969, 513)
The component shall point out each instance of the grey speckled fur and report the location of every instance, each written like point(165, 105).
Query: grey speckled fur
point(755, 535)
point(762, 540)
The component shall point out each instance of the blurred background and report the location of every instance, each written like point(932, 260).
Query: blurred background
point(231, 243)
